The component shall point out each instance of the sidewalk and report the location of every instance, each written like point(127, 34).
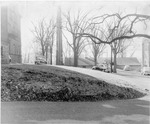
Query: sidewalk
point(136, 82)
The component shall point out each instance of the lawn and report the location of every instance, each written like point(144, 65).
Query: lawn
point(48, 83)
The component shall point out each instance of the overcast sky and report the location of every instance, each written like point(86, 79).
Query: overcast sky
point(36, 10)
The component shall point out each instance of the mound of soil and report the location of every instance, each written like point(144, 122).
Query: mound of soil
point(28, 83)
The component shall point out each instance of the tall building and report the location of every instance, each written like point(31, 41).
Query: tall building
point(146, 42)
point(146, 53)
point(59, 51)
point(10, 34)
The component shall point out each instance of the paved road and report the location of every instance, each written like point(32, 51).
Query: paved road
point(136, 78)
point(122, 78)
point(109, 112)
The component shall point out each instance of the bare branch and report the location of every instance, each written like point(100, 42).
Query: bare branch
point(67, 40)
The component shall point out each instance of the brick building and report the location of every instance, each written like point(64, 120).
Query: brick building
point(10, 35)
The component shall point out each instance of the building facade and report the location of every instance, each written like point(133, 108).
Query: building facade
point(146, 42)
point(10, 35)
point(146, 53)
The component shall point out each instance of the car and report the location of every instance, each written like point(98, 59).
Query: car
point(102, 67)
point(96, 68)
point(108, 70)
point(39, 61)
point(145, 71)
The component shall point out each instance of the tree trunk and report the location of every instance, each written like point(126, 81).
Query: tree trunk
point(122, 54)
point(51, 55)
point(43, 51)
point(46, 52)
point(95, 59)
point(111, 60)
point(75, 59)
point(28, 57)
point(115, 63)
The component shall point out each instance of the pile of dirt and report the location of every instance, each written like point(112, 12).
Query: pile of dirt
point(25, 83)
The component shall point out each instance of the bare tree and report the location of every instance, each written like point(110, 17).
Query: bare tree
point(122, 47)
point(44, 35)
point(126, 25)
point(118, 45)
point(75, 25)
point(131, 19)
point(97, 49)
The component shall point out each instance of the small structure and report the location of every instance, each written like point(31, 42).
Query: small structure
point(128, 61)
point(132, 62)
point(146, 53)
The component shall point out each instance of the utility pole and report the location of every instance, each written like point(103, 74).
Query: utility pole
point(59, 51)
point(143, 56)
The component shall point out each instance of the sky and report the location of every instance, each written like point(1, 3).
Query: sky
point(34, 11)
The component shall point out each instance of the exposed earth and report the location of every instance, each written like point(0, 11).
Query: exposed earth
point(41, 83)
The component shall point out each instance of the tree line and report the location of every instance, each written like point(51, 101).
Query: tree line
point(98, 31)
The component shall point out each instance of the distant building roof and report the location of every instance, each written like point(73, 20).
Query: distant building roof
point(104, 60)
point(81, 62)
point(99, 60)
point(128, 61)
point(89, 61)
point(121, 61)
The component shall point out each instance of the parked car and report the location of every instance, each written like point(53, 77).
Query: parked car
point(39, 61)
point(145, 71)
point(108, 70)
point(96, 68)
point(102, 67)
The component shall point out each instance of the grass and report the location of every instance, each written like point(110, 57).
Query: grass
point(48, 83)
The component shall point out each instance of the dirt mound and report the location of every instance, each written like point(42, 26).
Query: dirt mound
point(54, 84)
